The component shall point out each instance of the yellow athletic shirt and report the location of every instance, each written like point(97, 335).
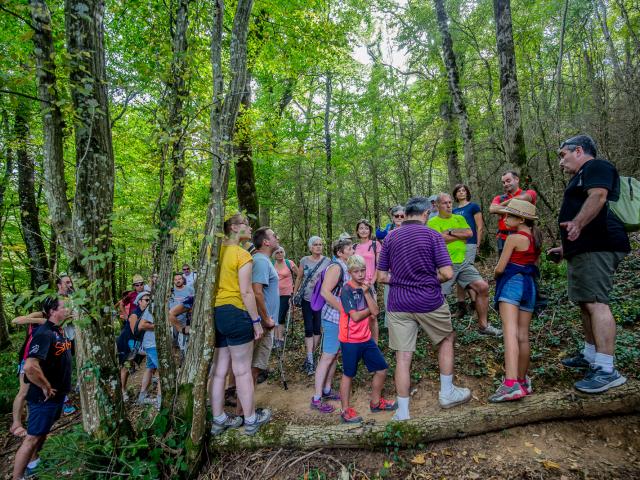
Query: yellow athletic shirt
point(232, 259)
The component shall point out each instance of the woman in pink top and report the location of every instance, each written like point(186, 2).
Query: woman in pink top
point(287, 270)
point(369, 249)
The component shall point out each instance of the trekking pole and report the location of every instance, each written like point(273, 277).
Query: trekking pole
point(284, 346)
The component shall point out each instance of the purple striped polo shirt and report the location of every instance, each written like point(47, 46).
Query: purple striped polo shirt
point(413, 255)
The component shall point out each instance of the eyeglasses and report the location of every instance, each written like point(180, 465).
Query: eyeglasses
point(145, 299)
point(138, 284)
point(317, 245)
point(186, 269)
point(399, 215)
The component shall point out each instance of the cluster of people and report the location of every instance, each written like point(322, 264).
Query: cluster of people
point(427, 249)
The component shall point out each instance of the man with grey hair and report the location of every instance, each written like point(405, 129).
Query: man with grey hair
point(455, 231)
point(594, 242)
point(414, 262)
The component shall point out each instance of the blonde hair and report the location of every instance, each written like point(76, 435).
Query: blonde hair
point(355, 261)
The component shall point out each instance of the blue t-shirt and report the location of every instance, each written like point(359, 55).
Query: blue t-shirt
point(468, 212)
point(265, 273)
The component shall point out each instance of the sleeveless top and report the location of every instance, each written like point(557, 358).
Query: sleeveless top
point(528, 256)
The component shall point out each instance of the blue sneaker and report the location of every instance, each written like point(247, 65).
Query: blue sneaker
point(68, 409)
point(577, 361)
point(597, 381)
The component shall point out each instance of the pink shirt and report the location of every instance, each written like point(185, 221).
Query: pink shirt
point(365, 250)
point(285, 278)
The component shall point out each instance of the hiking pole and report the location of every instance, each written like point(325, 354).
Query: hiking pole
point(284, 346)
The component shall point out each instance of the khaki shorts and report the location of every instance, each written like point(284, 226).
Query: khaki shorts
point(590, 276)
point(464, 274)
point(262, 351)
point(403, 327)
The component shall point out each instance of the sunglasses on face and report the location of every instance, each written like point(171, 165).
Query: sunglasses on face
point(186, 269)
point(138, 284)
point(399, 215)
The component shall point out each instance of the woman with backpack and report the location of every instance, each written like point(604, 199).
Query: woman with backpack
point(310, 268)
point(368, 248)
point(287, 270)
point(333, 278)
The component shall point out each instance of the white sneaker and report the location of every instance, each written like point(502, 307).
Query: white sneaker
point(456, 396)
point(396, 418)
point(490, 331)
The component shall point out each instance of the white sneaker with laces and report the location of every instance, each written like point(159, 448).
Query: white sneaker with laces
point(456, 396)
point(490, 331)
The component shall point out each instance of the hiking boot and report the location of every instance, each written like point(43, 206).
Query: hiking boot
point(383, 406)
point(321, 406)
point(309, 368)
point(263, 415)
point(490, 331)
point(232, 421)
point(456, 396)
point(526, 385)
point(578, 361)
point(332, 395)
point(461, 310)
point(350, 416)
point(597, 381)
point(505, 394)
point(262, 376)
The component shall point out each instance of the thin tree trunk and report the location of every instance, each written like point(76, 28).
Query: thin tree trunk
point(29, 212)
point(5, 341)
point(245, 176)
point(559, 71)
point(601, 12)
point(460, 109)
point(509, 94)
point(450, 145)
point(327, 149)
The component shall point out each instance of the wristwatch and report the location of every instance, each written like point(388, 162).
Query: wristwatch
point(449, 232)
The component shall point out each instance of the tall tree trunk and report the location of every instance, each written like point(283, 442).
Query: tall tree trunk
point(460, 109)
point(245, 177)
point(327, 149)
point(450, 145)
point(192, 398)
point(5, 341)
point(174, 152)
point(514, 138)
point(29, 211)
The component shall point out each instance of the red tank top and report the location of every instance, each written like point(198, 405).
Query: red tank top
point(528, 256)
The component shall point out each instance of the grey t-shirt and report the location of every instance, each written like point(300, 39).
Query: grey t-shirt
point(265, 273)
point(307, 265)
point(177, 297)
point(149, 338)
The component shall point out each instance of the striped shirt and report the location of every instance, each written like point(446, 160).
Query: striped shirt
point(414, 253)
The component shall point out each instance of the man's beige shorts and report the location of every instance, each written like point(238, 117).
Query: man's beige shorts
point(262, 351)
point(403, 327)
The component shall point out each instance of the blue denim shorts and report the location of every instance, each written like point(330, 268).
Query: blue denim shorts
point(513, 293)
point(152, 357)
point(330, 342)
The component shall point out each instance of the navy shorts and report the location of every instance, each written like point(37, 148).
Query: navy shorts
point(513, 293)
point(233, 326)
point(42, 416)
point(368, 351)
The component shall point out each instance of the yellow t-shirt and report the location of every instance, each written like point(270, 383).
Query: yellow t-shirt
point(232, 258)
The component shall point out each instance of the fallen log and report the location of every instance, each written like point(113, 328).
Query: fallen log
point(456, 423)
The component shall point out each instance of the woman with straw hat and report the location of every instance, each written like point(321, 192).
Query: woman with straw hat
point(516, 296)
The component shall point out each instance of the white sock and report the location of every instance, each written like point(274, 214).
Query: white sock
point(402, 413)
point(220, 418)
point(605, 361)
point(589, 352)
point(446, 383)
point(251, 419)
point(33, 463)
point(310, 358)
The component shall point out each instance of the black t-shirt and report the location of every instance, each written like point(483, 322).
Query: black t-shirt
point(53, 350)
point(605, 233)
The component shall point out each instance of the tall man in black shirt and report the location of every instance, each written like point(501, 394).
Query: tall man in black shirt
point(593, 242)
point(48, 371)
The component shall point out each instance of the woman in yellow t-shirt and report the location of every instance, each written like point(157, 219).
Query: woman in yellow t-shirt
point(237, 325)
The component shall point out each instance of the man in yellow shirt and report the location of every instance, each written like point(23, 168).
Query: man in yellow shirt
point(455, 230)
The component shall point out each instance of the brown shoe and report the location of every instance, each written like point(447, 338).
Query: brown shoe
point(461, 310)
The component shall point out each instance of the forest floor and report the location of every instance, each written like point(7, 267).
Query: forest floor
point(599, 448)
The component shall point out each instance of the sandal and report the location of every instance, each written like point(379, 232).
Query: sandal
point(19, 431)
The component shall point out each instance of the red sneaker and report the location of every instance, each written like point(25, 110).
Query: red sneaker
point(383, 406)
point(350, 416)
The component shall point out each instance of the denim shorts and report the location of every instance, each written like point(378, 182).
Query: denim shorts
point(42, 416)
point(513, 293)
point(152, 357)
point(367, 351)
point(330, 342)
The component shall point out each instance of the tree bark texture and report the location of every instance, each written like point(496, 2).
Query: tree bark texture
point(458, 423)
point(243, 152)
point(29, 211)
point(192, 395)
point(327, 149)
point(509, 94)
point(7, 154)
point(174, 150)
point(450, 145)
point(460, 109)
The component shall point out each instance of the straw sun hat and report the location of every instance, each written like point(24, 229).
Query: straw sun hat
point(520, 208)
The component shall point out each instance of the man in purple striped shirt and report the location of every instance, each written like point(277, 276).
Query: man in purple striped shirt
point(420, 262)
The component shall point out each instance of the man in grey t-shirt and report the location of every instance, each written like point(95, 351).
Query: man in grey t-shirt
point(180, 292)
point(265, 287)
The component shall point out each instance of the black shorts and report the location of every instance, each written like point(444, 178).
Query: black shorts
point(284, 309)
point(42, 416)
point(233, 326)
